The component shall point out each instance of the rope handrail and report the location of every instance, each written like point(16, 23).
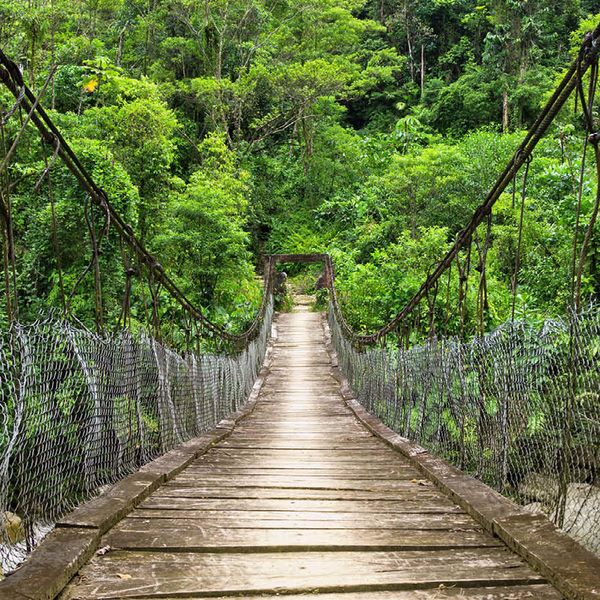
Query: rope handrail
point(11, 77)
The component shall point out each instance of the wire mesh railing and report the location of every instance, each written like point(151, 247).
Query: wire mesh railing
point(79, 410)
point(518, 408)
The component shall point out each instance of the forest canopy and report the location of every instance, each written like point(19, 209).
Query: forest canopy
point(225, 129)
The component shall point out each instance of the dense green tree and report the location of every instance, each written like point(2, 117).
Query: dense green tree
point(370, 129)
point(203, 239)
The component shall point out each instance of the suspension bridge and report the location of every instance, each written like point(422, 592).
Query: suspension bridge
point(299, 457)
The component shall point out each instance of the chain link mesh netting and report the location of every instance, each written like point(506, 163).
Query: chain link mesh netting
point(518, 408)
point(79, 411)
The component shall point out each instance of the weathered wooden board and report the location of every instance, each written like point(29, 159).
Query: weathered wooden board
point(332, 465)
point(252, 461)
point(300, 455)
point(289, 493)
point(318, 472)
point(437, 504)
point(304, 427)
point(299, 520)
point(305, 438)
point(266, 444)
point(200, 538)
point(442, 592)
point(409, 483)
point(126, 574)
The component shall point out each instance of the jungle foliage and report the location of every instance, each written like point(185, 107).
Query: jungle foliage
point(225, 129)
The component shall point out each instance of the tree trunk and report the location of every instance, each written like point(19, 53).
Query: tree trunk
point(505, 110)
point(422, 69)
point(411, 60)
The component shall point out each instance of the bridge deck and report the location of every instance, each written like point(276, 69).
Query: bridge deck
point(302, 500)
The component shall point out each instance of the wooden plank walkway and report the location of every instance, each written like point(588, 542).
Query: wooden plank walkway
point(302, 500)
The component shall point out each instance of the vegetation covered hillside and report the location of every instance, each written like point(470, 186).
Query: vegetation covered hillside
point(224, 129)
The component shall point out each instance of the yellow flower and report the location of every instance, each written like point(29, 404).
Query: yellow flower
point(90, 85)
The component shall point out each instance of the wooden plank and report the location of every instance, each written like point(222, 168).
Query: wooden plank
point(312, 520)
point(58, 558)
point(335, 464)
point(328, 392)
point(288, 401)
point(278, 382)
point(250, 462)
point(142, 534)
point(132, 574)
point(307, 423)
point(292, 408)
point(306, 483)
point(315, 427)
point(546, 547)
point(170, 518)
point(421, 504)
point(305, 358)
point(304, 437)
point(194, 491)
point(317, 471)
point(257, 431)
point(298, 455)
point(260, 473)
point(293, 412)
point(516, 592)
point(104, 511)
point(365, 446)
point(282, 393)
